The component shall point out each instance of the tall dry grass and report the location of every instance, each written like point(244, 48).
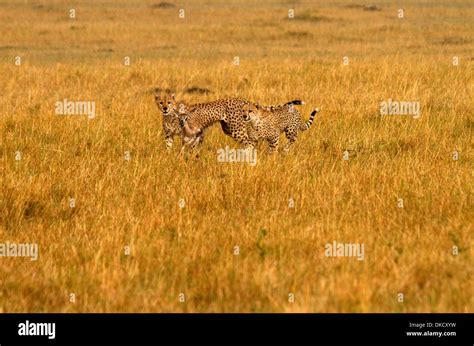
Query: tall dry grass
point(134, 203)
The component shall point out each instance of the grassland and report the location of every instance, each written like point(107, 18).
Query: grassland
point(134, 203)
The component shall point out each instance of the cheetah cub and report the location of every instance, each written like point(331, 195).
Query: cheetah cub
point(171, 111)
point(267, 124)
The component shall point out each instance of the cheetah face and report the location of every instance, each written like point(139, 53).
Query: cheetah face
point(250, 112)
point(166, 103)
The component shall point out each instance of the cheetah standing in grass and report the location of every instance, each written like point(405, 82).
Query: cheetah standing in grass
point(268, 124)
point(169, 108)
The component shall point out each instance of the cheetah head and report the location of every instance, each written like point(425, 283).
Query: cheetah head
point(250, 112)
point(166, 103)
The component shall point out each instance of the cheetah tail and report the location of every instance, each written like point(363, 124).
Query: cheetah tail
point(308, 123)
point(295, 103)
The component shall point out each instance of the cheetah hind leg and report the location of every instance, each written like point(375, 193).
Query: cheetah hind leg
point(291, 135)
point(273, 144)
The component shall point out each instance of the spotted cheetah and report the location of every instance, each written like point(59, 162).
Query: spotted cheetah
point(268, 124)
point(169, 109)
point(228, 111)
point(173, 110)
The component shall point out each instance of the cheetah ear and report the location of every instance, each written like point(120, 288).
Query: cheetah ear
point(172, 96)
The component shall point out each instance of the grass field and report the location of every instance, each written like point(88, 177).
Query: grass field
point(347, 175)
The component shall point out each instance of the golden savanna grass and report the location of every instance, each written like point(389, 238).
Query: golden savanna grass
point(134, 203)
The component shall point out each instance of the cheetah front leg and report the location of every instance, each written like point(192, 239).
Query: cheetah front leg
point(168, 138)
point(243, 139)
point(169, 142)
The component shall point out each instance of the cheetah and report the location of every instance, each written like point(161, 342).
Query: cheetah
point(170, 110)
point(228, 111)
point(268, 124)
point(171, 126)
